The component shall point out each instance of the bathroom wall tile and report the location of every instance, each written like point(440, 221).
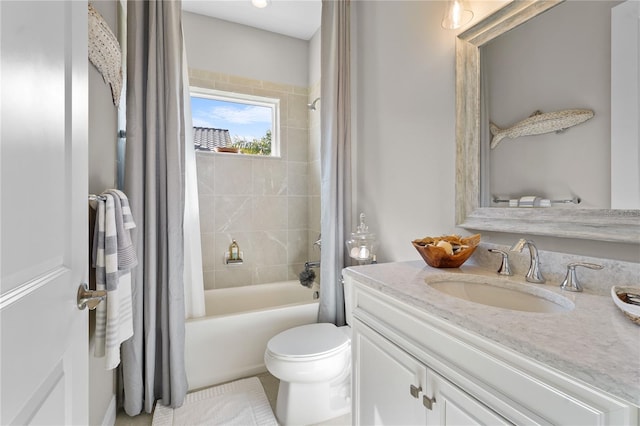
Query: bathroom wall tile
point(314, 142)
point(314, 178)
point(244, 81)
point(298, 246)
point(269, 177)
point(269, 213)
point(202, 83)
point(298, 113)
point(233, 276)
point(299, 90)
point(284, 112)
point(313, 250)
point(266, 93)
point(253, 198)
point(233, 213)
point(233, 175)
point(202, 74)
point(284, 143)
point(210, 257)
point(293, 271)
point(269, 248)
point(206, 206)
point(298, 213)
point(209, 279)
point(269, 274)
point(231, 87)
point(314, 224)
point(219, 77)
point(244, 241)
point(298, 179)
point(297, 144)
point(205, 164)
point(278, 87)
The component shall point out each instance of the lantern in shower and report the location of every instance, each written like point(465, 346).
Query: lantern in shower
point(362, 245)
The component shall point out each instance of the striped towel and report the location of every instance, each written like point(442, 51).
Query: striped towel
point(113, 257)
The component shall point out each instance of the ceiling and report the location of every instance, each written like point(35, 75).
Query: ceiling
point(293, 18)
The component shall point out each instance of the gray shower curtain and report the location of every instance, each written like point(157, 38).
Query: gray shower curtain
point(335, 110)
point(153, 359)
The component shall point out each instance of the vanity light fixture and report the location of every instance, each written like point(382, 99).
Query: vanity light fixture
point(261, 4)
point(456, 15)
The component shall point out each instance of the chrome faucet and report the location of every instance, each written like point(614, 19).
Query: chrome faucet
point(570, 282)
point(533, 275)
point(505, 268)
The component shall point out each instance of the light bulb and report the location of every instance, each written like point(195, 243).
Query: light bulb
point(260, 4)
point(456, 15)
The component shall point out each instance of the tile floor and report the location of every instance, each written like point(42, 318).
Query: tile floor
point(270, 385)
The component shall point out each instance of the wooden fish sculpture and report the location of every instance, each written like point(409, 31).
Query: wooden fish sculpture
point(539, 123)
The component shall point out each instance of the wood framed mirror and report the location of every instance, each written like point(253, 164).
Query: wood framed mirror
point(474, 214)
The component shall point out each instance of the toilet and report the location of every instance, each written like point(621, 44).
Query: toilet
point(313, 363)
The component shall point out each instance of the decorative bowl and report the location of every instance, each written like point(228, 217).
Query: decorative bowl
point(628, 300)
point(438, 257)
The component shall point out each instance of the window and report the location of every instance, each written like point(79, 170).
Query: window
point(233, 122)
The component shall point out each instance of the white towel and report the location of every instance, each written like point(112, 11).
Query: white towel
point(113, 257)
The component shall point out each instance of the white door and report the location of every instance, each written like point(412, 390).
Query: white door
point(43, 219)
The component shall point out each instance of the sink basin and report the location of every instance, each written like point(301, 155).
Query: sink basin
point(506, 295)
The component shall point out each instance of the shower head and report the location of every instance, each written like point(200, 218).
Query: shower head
point(313, 105)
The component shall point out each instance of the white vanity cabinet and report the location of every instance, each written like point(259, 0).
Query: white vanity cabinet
point(413, 368)
point(394, 388)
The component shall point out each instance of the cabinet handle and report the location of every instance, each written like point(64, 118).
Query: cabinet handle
point(415, 391)
point(428, 402)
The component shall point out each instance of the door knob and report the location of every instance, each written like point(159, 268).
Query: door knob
point(89, 298)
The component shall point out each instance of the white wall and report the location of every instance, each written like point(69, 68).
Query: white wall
point(102, 117)
point(214, 44)
point(102, 175)
point(314, 59)
point(404, 75)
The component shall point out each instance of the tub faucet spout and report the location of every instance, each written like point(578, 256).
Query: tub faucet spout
point(533, 275)
point(315, 264)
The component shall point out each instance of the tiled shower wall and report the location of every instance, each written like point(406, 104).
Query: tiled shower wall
point(269, 205)
point(314, 176)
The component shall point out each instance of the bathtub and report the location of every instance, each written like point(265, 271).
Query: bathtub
point(229, 342)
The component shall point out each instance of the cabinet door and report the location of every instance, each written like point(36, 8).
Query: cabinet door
point(452, 406)
point(383, 376)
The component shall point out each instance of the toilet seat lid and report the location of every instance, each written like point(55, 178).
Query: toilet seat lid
point(308, 341)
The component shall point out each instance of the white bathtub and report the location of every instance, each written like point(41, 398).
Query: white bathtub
point(229, 342)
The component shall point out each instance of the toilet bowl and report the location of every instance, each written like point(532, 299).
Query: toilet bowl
point(313, 364)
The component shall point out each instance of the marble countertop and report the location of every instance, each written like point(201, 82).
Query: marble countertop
point(594, 342)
